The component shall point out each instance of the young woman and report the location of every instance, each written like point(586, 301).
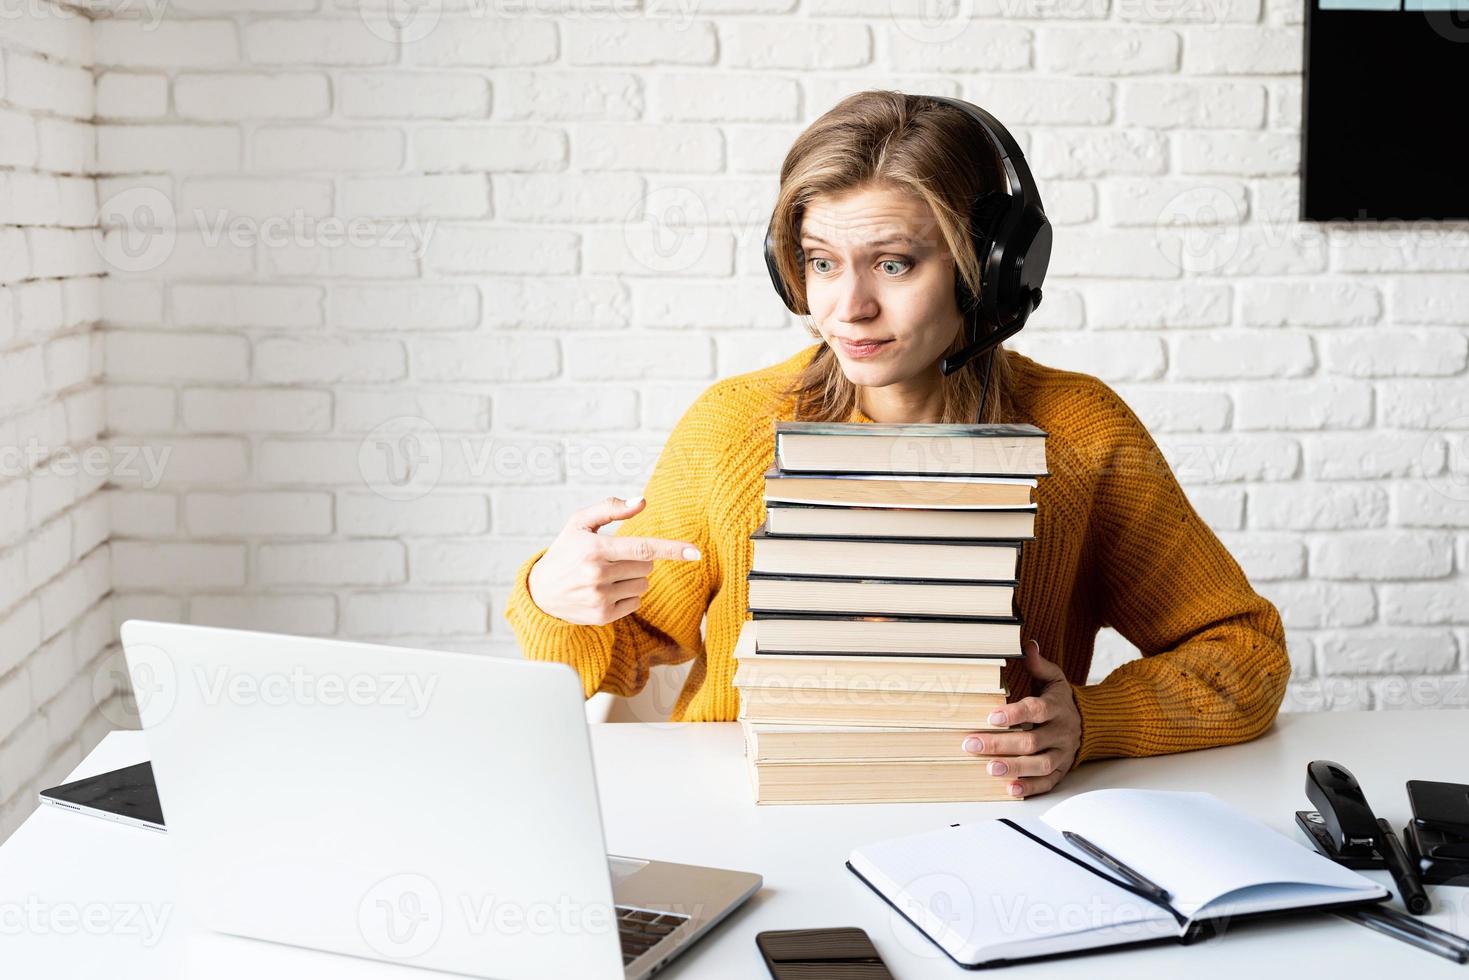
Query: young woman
point(876, 193)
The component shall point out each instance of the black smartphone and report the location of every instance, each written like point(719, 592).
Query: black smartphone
point(844, 953)
point(1440, 806)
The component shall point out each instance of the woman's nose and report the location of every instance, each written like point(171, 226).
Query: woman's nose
point(855, 300)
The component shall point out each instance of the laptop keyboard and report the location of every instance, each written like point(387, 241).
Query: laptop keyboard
point(642, 929)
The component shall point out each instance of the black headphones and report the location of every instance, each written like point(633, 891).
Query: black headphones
point(1011, 236)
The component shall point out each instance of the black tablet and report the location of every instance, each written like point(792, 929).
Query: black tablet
point(126, 795)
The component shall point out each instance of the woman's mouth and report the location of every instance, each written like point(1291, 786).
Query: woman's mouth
point(866, 349)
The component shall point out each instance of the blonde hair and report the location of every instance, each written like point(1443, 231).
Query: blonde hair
point(914, 144)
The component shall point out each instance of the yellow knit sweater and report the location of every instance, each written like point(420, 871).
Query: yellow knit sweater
point(1116, 544)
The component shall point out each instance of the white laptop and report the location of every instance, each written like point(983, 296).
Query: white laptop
point(419, 807)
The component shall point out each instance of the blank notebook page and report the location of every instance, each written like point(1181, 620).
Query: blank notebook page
point(1205, 851)
point(984, 890)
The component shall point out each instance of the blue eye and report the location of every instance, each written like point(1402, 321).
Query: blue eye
point(906, 265)
point(814, 261)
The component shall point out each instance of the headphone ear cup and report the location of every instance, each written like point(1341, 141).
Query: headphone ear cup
point(984, 215)
point(773, 267)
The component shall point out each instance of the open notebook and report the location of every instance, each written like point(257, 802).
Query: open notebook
point(1001, 890)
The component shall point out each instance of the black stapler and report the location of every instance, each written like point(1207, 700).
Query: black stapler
point(1344, 828)
point(1436, 839)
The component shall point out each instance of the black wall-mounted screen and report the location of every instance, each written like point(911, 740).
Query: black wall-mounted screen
point(1383, 123)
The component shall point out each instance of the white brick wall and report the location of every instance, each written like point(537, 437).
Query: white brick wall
point(414, 293)
point(55, 577)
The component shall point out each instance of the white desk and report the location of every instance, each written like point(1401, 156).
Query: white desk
point(679, 792)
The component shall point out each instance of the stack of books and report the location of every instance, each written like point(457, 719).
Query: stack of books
point(882, 609)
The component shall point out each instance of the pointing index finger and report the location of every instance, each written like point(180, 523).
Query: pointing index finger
point(647, 549)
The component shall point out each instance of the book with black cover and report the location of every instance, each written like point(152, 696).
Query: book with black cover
point(961, 559)
point(858, 521)
point(921, 491)
point(876, 596)
point(988, 637)
point(991, 449)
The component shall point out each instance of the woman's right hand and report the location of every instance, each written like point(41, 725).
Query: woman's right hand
point(593, 579)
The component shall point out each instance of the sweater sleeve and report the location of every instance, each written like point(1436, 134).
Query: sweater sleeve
point(1214, 665)
point(665, 628)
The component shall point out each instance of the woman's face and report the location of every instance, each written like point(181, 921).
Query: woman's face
point(878, 269)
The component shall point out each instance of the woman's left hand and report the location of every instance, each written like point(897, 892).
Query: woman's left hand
point(1037, 759)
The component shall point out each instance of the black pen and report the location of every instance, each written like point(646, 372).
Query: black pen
point(1426, 929)
point(1391, 922)
point(1154, 890)
point(1404, 874)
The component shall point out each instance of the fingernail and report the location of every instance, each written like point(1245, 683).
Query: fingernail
point(997, 717)
point(634, 501)
point(1014, 789)
point(998, 768)
point(691, 553)
point(972, 744)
